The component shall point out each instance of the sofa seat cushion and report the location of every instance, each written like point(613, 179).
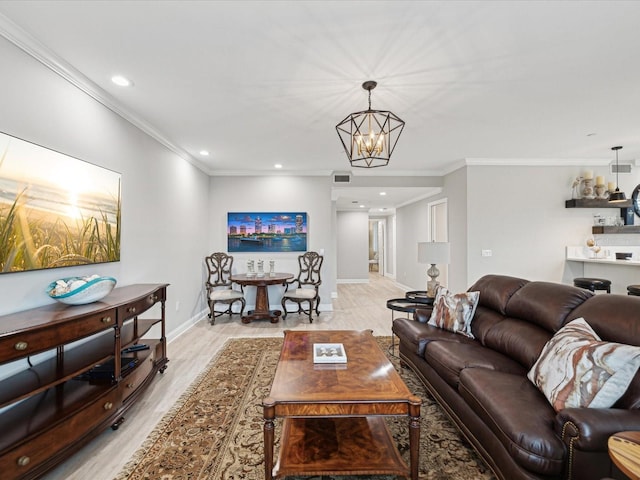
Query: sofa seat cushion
point(518, 414)
point(419, 334)
point(450, 358)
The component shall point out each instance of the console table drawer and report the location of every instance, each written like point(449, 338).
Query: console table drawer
point(31, 342)
point(131, 382)
point(134, 309)
point(30, 455)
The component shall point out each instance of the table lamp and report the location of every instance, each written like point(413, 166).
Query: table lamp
point(433, 253)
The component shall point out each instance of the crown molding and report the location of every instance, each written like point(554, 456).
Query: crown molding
point(33, 47)
point(538, 162)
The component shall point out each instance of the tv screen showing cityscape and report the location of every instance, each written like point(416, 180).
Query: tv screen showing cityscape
point(269, 232)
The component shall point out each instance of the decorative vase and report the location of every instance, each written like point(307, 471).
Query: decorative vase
point(260, 268)
point(272, 265)
point(250, 269)
point(587, 188)
point(601, 192)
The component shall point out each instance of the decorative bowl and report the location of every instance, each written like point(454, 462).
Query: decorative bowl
point(81, 290)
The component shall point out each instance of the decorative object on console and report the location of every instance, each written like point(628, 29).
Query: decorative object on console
point(454, 312)
point(576, 369)
point(370, 136)
point(42, 204)
point(81, 290)
point(266, 232)
point(617, 195)
point(272, 266)
point(433, 253)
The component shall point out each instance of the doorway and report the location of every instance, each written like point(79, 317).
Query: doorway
point(438, 231)
point(377, 228)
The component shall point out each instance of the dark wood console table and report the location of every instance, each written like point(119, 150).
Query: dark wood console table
point(262, 294)
point(75, 392)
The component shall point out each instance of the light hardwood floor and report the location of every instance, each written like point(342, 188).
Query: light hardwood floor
point(358, 306)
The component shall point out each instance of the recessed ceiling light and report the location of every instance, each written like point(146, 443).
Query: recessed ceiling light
point(278, 165)
point(361, 206)
point(383, 193)
point(121, 81)
point(204, 153)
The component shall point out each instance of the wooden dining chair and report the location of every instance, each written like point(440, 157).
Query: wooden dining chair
point(305, 287)
point(220, 287)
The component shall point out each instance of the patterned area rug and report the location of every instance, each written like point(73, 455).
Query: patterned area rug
point(214, 431)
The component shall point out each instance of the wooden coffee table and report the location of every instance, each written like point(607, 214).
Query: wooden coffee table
point(333, 413)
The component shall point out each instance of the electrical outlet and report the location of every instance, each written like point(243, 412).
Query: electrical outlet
point(487, 253)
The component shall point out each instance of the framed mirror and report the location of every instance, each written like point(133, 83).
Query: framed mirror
point(634, 200)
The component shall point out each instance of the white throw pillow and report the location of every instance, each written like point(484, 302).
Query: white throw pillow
point(454, 312)
point(577, 369)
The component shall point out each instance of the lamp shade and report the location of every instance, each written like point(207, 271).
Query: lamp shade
point(434, 252)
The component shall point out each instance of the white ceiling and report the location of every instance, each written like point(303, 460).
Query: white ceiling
point(259, 83)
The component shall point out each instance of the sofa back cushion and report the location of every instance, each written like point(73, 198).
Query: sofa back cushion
point(546, 304)
point(496, 290)
point(517, 317)
point(518, 339)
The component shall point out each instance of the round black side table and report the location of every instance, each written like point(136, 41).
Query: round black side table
point(409, 304)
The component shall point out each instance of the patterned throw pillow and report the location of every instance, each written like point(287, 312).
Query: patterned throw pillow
point(577, 369)
point(454, 312)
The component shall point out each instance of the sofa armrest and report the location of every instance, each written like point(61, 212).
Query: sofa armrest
point(589, 429)
point(422, 315)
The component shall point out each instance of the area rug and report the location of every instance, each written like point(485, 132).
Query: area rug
point(214, 431)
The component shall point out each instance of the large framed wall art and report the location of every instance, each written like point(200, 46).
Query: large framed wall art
point(271, 232)
point(55, 210)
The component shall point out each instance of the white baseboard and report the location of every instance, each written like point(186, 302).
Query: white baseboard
point(352, 280)
point(184, 327)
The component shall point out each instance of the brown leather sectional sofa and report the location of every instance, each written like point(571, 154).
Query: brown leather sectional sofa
point(482, 383)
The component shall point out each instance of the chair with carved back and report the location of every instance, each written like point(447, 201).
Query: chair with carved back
point(219, 285)
point(304, 288)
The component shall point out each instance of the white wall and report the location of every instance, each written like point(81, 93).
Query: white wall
point(311, 194)
point(519, 213)
point(353, 246)
point(165, 200)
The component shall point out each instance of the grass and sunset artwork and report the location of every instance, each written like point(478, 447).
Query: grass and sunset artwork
point(271, 232)
point(55, 210)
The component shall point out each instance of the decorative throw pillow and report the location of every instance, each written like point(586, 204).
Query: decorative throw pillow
point(454, 312)
point(577, 369)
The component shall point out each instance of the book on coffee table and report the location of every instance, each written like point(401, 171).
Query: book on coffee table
point(329, 353)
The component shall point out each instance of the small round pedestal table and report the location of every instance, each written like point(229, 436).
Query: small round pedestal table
point(262, 294)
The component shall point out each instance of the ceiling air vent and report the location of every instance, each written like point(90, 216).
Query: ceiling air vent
point(621, 168)
point(342, 177)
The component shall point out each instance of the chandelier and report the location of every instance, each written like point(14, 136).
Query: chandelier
point(369, 137)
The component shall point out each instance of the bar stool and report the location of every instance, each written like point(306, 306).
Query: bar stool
point(593, 284)
point(633, 290)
